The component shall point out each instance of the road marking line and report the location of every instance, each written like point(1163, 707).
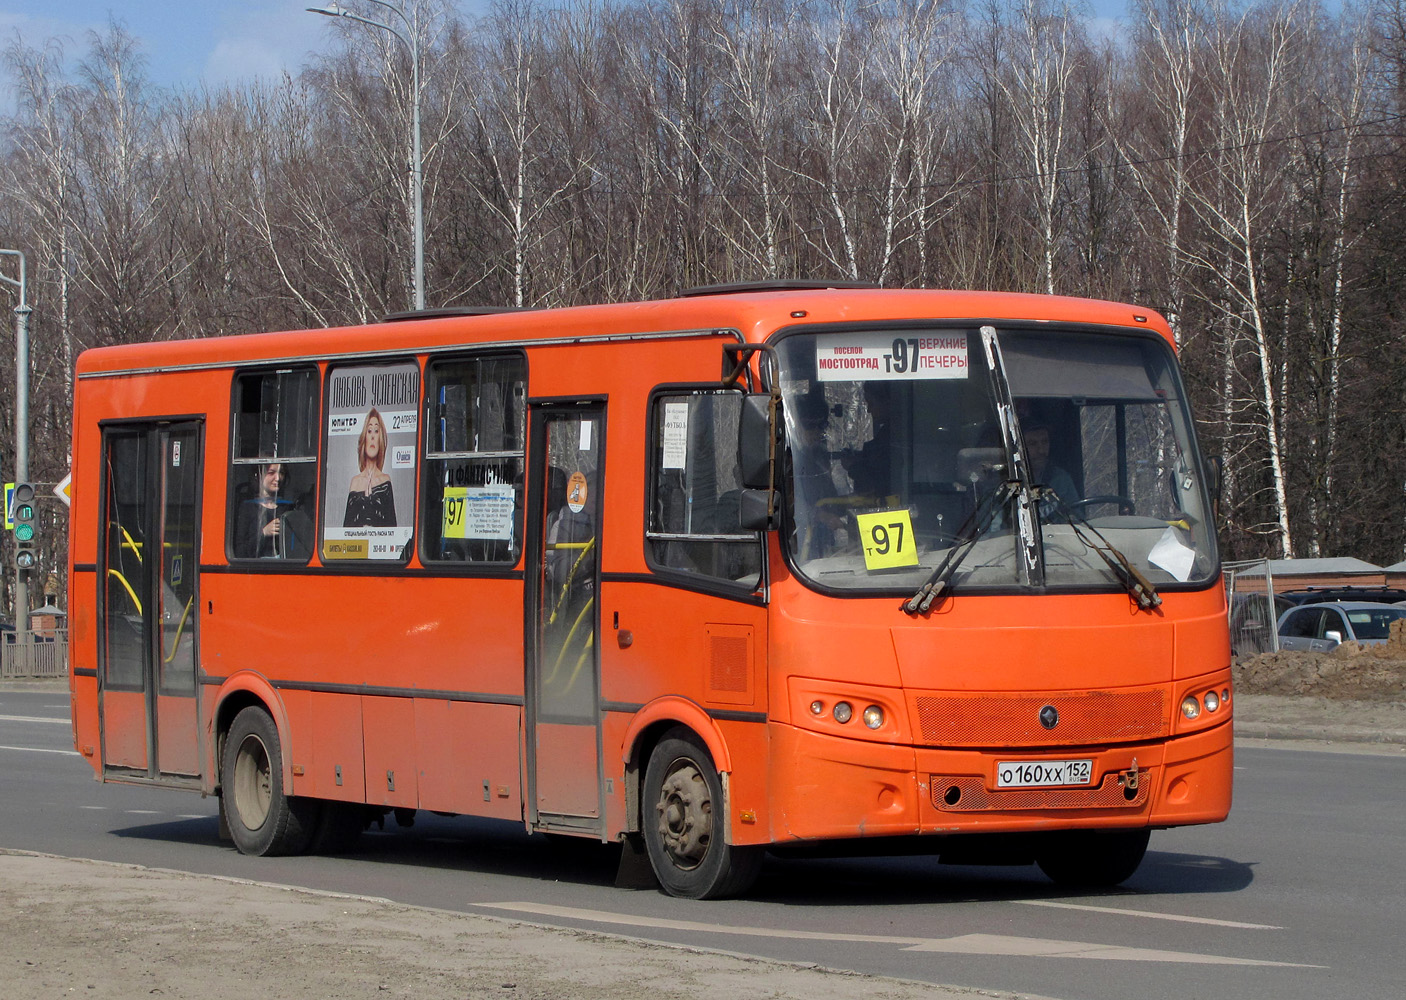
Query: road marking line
point(1006, 945)
point(71, 753)
point(143, 812)
point(36, 718)
point(1146, 913)
point(966, 944)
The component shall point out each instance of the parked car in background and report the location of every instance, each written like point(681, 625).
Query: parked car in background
point(1319, 595)
point(1321, 627)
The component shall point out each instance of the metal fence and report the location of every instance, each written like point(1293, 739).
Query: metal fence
point(1249, 592)
point(34, 654)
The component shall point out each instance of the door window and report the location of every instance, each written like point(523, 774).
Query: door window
point(696, 489)
point(126, 550)
point(571, 549)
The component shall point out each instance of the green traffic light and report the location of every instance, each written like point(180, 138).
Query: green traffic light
point(24, 532)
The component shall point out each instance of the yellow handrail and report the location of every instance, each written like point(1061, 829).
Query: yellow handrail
point(570, 635)
point(585, 547)
point(180, 627)
point(130, 592)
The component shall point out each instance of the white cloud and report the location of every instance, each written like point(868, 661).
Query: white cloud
point(266, 41)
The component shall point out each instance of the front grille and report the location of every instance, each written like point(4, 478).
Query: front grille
point(976, 797)
point(985, 720)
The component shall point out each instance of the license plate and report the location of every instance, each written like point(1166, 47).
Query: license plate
point(1040, 773)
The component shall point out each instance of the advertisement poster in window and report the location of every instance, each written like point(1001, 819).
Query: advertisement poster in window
point(370, 494)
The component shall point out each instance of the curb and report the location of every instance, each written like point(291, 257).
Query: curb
point(1320, 733)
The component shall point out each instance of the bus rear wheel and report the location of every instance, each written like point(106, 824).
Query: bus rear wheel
point(262, 820)
point(1092, 859)
point(683, 824)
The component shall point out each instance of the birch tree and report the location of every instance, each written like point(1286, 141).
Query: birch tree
point(1254, 103)
point(1036, 80)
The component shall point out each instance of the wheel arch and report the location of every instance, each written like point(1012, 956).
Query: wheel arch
point(237, 693)
point(645, 731)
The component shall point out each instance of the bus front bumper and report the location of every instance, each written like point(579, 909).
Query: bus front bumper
point(829, 788)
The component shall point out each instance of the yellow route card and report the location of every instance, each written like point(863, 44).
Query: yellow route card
point(455, 499)
point(887, 539)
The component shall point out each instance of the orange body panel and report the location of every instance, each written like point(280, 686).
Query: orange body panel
point(409, 688)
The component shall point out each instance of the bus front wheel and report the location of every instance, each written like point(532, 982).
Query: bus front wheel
point(683, 824)
point(262, 820)
point(1092, 858)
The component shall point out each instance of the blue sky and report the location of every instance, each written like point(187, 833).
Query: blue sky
point(187, 42)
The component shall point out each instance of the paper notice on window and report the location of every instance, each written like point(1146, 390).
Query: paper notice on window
point(675, 436)
point(891, 357)
point(1173, 555)
point(479, 512)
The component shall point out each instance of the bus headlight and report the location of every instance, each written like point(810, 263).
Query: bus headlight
point(874, 717)
point(817, 707)
point(1212, 701)
point(843, 712)
point(1190, 707)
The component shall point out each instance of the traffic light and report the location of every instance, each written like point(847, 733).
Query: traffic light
point(25, 556)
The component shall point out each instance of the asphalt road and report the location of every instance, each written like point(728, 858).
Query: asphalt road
point(1297, 896)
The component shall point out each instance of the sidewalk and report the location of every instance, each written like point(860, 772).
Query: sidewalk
point(1377, 724)
point(104, 931)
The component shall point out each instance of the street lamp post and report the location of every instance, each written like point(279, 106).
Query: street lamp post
point(411, 39)
point(22, 312)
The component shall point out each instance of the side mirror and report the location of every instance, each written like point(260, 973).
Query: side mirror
point(754, 512)
point(756, 453)
point(756, 436)
point(1333, 636)
point(1215, 473)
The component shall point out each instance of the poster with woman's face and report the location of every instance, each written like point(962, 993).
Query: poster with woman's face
point(369, 505)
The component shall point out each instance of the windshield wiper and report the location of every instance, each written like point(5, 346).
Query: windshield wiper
point(973, 528)
point(1139, 587)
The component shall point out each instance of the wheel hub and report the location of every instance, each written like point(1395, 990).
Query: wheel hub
point(253, 784)
point(685, 815)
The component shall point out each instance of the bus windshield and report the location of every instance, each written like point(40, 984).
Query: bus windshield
point(905, 444)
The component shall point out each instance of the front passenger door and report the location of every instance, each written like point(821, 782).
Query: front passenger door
point(1332, 621)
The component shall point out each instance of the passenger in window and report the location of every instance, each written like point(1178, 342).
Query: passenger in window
point(370, 501)
point(269, 526)
point(1043, 472)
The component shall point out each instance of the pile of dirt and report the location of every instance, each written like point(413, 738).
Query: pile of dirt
point(1351, 672)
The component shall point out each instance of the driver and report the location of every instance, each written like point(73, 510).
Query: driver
point(1043, 472)
point(813, 472)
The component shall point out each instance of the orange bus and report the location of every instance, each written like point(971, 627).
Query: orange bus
point(761, 567)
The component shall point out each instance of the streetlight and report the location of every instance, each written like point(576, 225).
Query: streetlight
point(409, 37)
point(22, 312)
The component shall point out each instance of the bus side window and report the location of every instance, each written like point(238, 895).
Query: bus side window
point(475, 440)
point(273, 465)
point(695, 488)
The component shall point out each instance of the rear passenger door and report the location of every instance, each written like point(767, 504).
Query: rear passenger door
point(1301, 629)
point(148, 698)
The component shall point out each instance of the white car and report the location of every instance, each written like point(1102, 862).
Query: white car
point(1321, 627)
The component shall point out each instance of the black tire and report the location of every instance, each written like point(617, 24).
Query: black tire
point(1092, 859)
point(262, 820)
point(683, 824)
